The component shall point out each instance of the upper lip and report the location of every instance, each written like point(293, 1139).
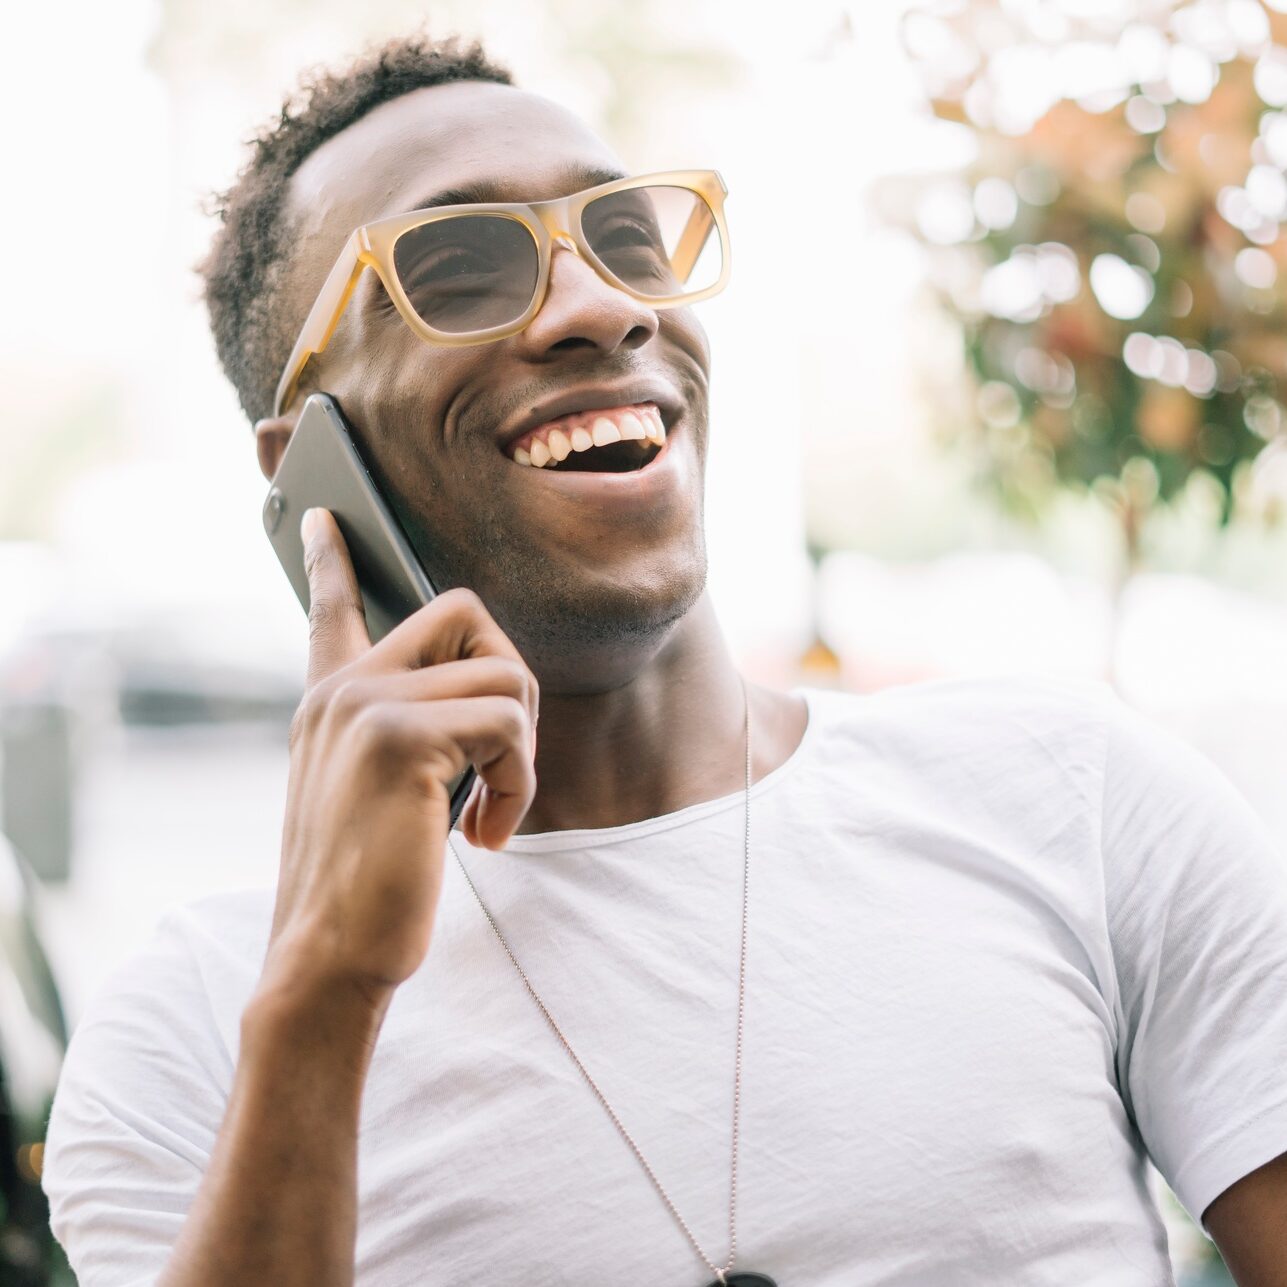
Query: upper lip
point(594, 397)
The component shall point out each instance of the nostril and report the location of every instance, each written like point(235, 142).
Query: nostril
point(573, 342)
point(638, 336)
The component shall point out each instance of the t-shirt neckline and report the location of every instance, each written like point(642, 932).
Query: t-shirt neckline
point(586, 837)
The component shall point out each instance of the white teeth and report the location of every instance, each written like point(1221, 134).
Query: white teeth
point(644, 424)
point(560, 447)
point(632, 426)
point(604, 432)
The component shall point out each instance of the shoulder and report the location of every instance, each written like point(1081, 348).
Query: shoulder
point(145, 1084)
point(952, 722)
point(227, 930)
point(947, 701)
point(179, 995)
point(1011, 761)
point(211, 944)
point(1171, 819)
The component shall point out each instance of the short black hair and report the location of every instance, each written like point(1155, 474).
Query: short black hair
point(245, 266)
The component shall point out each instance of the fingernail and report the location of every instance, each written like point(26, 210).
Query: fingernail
point(308, 524)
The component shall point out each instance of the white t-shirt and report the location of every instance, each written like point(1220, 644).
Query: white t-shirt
point(1005, 935)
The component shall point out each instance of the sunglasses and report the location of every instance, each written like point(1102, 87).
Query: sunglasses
point(474, 273)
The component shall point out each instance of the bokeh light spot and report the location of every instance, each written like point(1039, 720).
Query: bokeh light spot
point(1270, 77)
point(995, 203)
point(1145, 116)
point(1256, 268)
point(1123, 291)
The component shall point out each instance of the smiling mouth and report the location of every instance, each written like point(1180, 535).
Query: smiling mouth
point(612, 440)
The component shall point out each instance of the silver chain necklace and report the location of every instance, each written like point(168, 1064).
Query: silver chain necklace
point(722, 1278)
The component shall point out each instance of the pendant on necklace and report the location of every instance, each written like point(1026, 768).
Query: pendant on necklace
point(747, 1280)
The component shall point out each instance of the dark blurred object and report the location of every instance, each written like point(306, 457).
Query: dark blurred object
point(36, 762)
point(158, 684)
point(33, 1039)
point(60, 689)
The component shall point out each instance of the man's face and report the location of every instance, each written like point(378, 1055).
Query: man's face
point(582, 570)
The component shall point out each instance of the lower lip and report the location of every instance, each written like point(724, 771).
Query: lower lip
point(639, 486)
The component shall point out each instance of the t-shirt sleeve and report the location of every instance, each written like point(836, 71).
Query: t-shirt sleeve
point(1196, 893)
point(138, 1106)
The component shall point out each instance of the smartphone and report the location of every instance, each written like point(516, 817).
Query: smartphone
point(321, 466)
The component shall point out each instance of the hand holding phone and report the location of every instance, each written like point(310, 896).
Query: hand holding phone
point(406, 692)
point(322, 466)
point(382, 731)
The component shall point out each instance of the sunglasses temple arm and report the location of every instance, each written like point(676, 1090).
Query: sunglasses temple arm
point(691, 240)
point(322, 320)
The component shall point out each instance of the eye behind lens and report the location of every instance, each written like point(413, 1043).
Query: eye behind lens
point(468, 272)
point(659, 240)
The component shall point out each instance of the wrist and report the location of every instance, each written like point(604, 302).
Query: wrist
point(326, 1016)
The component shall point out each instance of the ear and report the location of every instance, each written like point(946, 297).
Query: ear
point(271, 437)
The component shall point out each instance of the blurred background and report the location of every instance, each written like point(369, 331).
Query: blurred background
point(1020, 409)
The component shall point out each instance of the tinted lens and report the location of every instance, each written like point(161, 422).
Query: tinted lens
point(657, 240)
point(468, 272)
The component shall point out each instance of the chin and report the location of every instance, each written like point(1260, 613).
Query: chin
point(580, 637)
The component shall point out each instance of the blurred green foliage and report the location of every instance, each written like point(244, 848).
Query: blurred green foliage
point(1114, 254)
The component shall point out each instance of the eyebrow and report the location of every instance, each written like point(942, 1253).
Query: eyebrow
point(574, 178)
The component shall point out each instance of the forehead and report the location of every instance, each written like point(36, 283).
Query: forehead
point(446, 136)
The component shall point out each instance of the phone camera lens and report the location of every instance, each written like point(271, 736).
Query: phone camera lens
point(274, 508)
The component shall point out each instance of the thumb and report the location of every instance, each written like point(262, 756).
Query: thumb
point(337, 630)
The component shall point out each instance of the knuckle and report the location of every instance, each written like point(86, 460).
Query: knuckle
point(376, 727)
point(461, 604)
point(439, 764)
point(463, 598)
point(513, 677)
point(512, 718)
point(309, 711)
point(305, 720)
point(348, 696)
point(329, 693)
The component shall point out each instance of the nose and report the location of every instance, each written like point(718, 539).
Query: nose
point(582, 311)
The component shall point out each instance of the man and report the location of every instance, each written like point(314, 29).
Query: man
point(1003, 940)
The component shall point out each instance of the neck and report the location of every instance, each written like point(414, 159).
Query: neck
point(671, 736)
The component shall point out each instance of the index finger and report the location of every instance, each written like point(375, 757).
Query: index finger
point(453, 626)
point(337, 630)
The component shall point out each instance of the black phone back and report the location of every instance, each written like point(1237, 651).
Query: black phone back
point(322, 467)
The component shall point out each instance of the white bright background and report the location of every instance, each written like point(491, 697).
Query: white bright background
point(124, 455)
point(114, 166)
point(149, 505)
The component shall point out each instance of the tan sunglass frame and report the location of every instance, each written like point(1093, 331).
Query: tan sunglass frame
point(559, 219)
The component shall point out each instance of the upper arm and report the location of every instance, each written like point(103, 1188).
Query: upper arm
point(1248, 1222)
point(1196, 894)
point(135, 1115)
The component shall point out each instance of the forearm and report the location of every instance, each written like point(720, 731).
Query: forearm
point(278, 1203)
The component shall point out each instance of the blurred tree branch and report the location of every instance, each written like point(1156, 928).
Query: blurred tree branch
point(1115, 254)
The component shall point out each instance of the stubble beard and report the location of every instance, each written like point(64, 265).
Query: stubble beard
point(549, 611)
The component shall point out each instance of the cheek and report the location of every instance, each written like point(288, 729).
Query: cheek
point(400, 388)
point(681, 327)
